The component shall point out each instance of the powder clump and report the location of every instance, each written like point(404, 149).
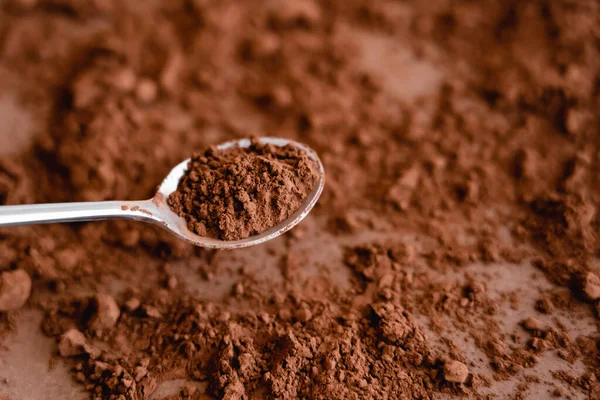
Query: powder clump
point(455, 371)
point(234, 193)
point(15, 288)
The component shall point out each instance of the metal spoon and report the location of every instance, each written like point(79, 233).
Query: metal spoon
point(157, 211)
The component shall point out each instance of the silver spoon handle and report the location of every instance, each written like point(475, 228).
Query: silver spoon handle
point(73, 212)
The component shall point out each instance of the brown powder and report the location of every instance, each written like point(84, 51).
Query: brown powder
point(239, 192)
point(454, 249)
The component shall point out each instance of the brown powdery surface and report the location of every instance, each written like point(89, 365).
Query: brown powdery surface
point(458, 138)
point(238, 192)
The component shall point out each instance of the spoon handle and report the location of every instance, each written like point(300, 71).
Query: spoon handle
point(73, 212)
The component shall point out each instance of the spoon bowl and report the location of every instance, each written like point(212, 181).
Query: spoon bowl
point(157, 211)
point(178, 225)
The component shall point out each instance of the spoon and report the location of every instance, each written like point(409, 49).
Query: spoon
point(157, 211)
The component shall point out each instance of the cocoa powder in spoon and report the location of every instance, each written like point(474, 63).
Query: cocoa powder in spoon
point(238, 192)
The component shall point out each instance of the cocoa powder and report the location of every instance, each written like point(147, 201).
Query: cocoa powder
point(454, 249)
point(239, 192)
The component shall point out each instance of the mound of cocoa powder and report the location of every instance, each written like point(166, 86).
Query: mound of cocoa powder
point(238, 192)
point(454, 250)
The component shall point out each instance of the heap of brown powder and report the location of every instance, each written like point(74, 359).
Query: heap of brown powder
point(454, 249)
point(238, 192)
